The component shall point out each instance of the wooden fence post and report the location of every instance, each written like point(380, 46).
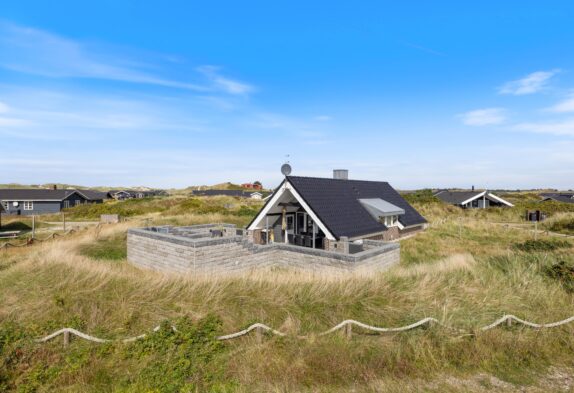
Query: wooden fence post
point(66, 338)
point(348, 331)
point(258, 335)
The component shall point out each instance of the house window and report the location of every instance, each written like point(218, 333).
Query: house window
point(391, 221)
point(66, 204)
point(6, 205)
point(78, 202)
point(28, 205)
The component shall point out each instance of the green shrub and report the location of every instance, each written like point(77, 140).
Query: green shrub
point(563, 226)
point(181, 360)
point(562, 272)
point(421, 196)
point(247, 211)
point(541, 245)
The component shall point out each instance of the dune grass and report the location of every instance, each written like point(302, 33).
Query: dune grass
point(465, 275)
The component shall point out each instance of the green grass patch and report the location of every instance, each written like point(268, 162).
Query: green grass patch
point(421, 196)
point(565, 226)
point(563, 273)
point(113, 248)
point(541, 245)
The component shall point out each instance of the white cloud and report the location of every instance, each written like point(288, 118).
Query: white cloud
point(484, 117)
point(532, 83)
point(556, 128)
point(322, 118)
point(564, 106)
point(11, 122)
point(223, 83)
point(38, 52)
point(3, 107)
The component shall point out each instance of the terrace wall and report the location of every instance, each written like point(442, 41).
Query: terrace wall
point(172, 253)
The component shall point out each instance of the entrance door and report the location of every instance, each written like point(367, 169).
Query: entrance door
point(290, 230)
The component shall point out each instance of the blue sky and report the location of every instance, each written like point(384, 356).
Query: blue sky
point(178, 93)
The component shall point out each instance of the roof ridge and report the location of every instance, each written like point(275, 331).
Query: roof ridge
point(330, 178)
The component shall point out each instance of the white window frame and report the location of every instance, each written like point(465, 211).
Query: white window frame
point(391, 221)
point(77, 202)
point(6, 205)
point(66, 204)
point(28, 205)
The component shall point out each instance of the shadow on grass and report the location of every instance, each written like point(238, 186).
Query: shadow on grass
point(16, 226)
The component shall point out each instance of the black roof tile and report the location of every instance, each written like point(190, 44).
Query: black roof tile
point(37, 194)
point(336, 203)
point(456, 197)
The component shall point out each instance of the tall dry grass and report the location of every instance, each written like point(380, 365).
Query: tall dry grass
point(466, 276)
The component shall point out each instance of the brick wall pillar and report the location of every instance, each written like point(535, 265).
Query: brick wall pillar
point(341, 246)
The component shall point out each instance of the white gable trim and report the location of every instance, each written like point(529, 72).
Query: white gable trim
point(487, 195)
point(284, 187)
point(473, 198)
point(501, 200)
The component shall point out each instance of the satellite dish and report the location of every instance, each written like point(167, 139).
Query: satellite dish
point(15, 204)
point(286, 169)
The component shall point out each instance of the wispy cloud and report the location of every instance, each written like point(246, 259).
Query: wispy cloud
point(423, 49)
point(223, 83)
point(31, 113)
point(565, 127)
point(38, 52)
point(322, 118)
point(484, 117)
point(564, 106)
point(532, 83)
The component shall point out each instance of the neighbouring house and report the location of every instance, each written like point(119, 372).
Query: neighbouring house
point(95, 196)
point(39, 201)
point(473, 199)
point(1, 212)
point(121, 195)
point(558, 197)
point(328, 213)
point(254, 186)
point(231, 193)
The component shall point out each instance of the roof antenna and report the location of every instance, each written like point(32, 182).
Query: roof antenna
point(286, 168)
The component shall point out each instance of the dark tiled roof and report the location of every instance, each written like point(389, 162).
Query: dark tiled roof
point(233, 193)
point(34, 194)
point(93, 195)
point(336, 203)
point(559, 197)
point(456, 197)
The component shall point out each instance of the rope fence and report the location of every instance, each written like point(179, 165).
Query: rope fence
point(346, 326)
point(31, 241)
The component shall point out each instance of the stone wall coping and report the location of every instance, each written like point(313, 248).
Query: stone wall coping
point(379, 247)
point(184, 240)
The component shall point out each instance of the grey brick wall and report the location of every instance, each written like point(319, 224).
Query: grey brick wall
point(169, 253)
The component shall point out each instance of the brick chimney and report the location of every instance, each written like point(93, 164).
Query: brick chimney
point(55, 187)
